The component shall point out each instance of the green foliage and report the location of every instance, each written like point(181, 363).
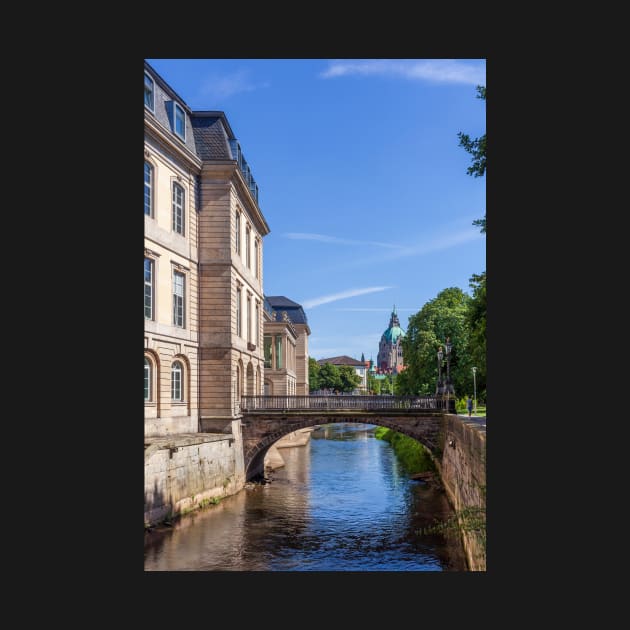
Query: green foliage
point(349, 378)
point(413, 457)
point(314, 380)
point(476, 321)
point(469, 519)
point(373, 384)
point(381, 432)
point(329, 377)
point(477, 148)
point(443, 316)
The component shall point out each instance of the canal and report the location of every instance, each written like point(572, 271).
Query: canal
point(341, 503)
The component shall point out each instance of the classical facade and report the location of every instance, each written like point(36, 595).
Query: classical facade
point(203, 268)
point(390, 355)
point(171, 317)
point(286, 334)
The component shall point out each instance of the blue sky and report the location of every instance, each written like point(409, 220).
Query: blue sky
point(360, 178)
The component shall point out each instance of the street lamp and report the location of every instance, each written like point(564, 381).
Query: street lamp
point(474, 371)
point(449, 387)
point(440, 356)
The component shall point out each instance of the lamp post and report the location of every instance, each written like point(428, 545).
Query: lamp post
point(448, 345)
point(440, 356)
point(474, 371)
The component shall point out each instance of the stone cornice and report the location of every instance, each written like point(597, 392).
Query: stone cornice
point(164, 137)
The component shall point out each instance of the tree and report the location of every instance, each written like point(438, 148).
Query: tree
point(349, 378)
point(477, 148)
point(476, 320)
point(373, 384)
point(314, 380)
point(329, 377)
point(444, 316)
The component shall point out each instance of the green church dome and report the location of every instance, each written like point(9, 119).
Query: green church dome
point(391, 334)
point(394, 331)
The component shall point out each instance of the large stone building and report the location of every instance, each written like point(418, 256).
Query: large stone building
point(171, 317)
point(203, 288)
point(390, 354)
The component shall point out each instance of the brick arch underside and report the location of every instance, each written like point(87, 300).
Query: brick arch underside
point(428, 437)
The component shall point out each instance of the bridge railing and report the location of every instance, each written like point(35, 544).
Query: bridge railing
point(363, 403)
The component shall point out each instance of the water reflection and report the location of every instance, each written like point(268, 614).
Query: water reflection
point(342, 502)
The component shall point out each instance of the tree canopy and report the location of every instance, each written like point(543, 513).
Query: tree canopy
point(444, 316)
point(477, 149)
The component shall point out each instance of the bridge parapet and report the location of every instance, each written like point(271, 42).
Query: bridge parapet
point(254, 404)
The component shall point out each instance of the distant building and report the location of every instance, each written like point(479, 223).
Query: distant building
point(286, 334)
point(359, 367)
point(390, 355)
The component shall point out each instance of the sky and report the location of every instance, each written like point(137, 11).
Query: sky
point(361, 180)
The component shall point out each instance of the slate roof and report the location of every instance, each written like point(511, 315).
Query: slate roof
point(211, 138)
point(163, 97)
point(294, 310)
point(342, 360)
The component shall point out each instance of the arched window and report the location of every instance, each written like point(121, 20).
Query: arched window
point(177, 382)
point(178, 209)
point(147, 379)
point(148, 189)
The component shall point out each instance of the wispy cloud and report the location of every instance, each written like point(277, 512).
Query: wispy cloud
point(323, 238)
point(325, 299)
point(436, 244)
point(435, 70)
point(221, 87)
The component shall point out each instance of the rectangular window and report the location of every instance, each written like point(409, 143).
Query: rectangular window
point(178, 209)
point(237, 222)
point(148, 288)
point(267, 342)
point(278, 352)
point(180, 122)
point(257, 324)
point(247, 259)
point(148, 188)
point(238, 312)
point(178, 299)
point(148, 92)
point(256, 257)
point(249, 318)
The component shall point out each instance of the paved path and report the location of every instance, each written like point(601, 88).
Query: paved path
point(478, 421)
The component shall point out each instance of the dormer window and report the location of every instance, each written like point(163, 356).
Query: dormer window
point(180, 122)
point(148, 92)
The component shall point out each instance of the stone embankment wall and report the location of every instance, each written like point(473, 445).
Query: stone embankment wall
point(184, 472)
point(463, 472)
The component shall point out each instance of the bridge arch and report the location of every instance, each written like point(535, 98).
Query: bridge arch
point(261, 431)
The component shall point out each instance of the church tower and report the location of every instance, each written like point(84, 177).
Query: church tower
point(390, 355)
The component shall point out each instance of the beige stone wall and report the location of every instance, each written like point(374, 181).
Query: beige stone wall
point(178, 477)
point(231, 364)
point(169, 251)
point(301, 356)
point(283, 381)
point(463, 472)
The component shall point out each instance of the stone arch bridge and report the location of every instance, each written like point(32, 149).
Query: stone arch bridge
point(265, 419)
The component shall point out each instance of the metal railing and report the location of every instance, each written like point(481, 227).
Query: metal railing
point(362, 403)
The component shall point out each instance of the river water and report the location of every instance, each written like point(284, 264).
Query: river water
point(341, 503)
